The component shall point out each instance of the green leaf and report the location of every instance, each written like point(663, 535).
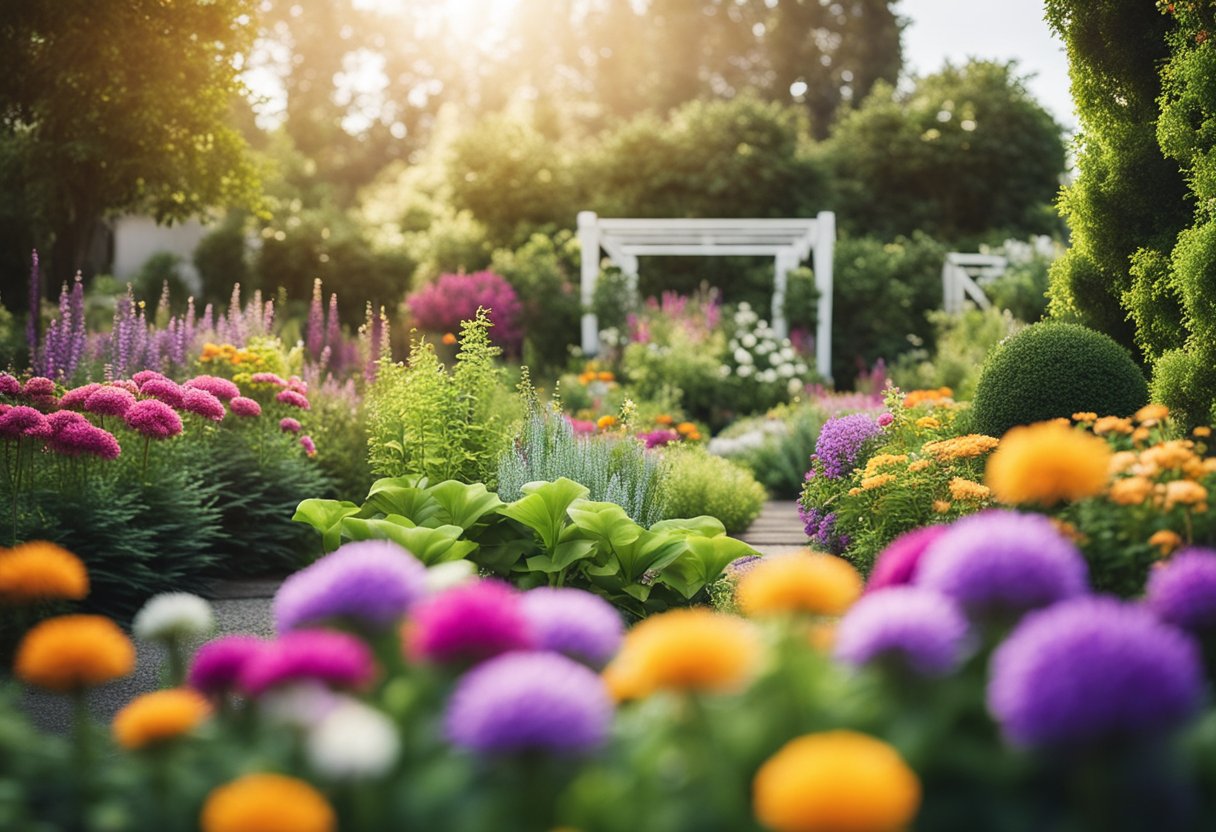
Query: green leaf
point(566, 554)
point(702, 563)
point(431, 546)
point(604, 521)
point(543, 508)
point(397, 495)
point(463, 504)
point(702, 526)
point(651, 551)
point(325, 516)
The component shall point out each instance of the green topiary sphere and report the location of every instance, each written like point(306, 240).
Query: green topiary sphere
point(1051, 370)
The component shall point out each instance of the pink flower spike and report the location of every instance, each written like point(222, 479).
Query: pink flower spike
point(154, 419)
point(291, 397)
point(242, 406)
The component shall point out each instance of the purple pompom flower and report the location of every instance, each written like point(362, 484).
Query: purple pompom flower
point(24, 421)
point(292, 398)
point(1182, 591)
point(153, 419)
point(242, 406)
point(218, 664)
point(583, 626)
point(169, 392)
point(918, 628)
point(896, 565)
point(529, 702)
point(1003, 562)
point(9, 386)
point(221, 388)
point(203, 403)
point(38, 387)
point(289, 425)
point(469, 623)
point(841, 442)
point(109, 401)
point(336, 659)
point(126, 384)
point(1093, 669)
point(372, 583)
point(75, 398)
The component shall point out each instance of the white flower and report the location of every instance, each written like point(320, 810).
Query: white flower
point(173, 615)
point(724, 370)
point(297, 705)
point(743, 357)
point(767, 376)
point(787, 352)
point(800, 368)
point(748, 340)
point(732, 345)
point(745, 370)
point(794, 386)
point(764, 347)
point(353, 741)
point(786, 370)
point(443, 576)
point(745, 307)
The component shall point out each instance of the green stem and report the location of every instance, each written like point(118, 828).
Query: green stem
point(144, 472)
point(177, 663)
point(82, 728)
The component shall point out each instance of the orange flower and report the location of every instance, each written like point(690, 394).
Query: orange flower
point(928, 422)
point(1046, 463)
point(1184, 493)
point(1203, 431)
point(449, 338)
point(74, 651)
point(1165, 541)
point(1085, 416)
point(799, 583)
point(664, 419)
point(158, 716)
point(876, 481)
point(605, 422)
point(919, 465)
point(695, 436)
point(1113, 424)
point(941, 506)
point(604, 375)
point(586, 378)
point(881, 461)
point(41, 571)
point(966, 490)
point(961, 447)
point(685, 428)
point(267, 803)
point(1151, 414)
point(941, 395)
point(1130, 491)
point(1175, 455)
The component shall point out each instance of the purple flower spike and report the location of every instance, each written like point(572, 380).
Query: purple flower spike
point(110, 401)
point(203, 403)
point(919, 628)
point(525, 702)
point(1093, 669)
point(1182, 591)
point(897, 564)
point(218, 664)
point(154, 419)
point(221, 388)
point(1003, 562)
point(469, 623)
point(841, 441)
point(332, 658)
point(166, 391)
point(578, 624)
point(242, 406)
point(372, 583)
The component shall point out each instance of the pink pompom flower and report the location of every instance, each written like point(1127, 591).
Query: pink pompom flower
point(154, 419)
point(325, 656)
point(203, 403)
point(292, 398)
point(38, 387)
point(221, 388)
point(9, 386)
point(289, 425)
point(470, 623)
point(144, 376)
point(268, 378)
point(310, 447)
point(169, 392)
point(242, 406)
point(109, 401)
point(125, 384)
point(75, 398)
point(22, 421)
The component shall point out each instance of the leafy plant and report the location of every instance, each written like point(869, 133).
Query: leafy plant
point(699, 483)
point(776, 448)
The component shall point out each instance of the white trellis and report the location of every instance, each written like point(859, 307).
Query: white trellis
point(963, 276)
point(788, 242)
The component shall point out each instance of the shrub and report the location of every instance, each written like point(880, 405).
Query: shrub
point(1052, 370)
point(776, 448)
point(442, 305)
point(544, 273)
point(962, 343)
point(699, 483)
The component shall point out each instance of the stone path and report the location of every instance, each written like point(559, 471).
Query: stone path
point(776, 529)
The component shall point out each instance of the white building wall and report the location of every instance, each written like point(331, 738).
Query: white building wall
point(138, 238)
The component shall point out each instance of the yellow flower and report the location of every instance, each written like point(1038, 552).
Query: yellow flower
point(881, 461)
point(1140, 435)
point(878, 481)
point(1203, 432)
point(1165, 541)
point(1130, 491)
point(267, 803)
point(941, 395)
point(1122, 461)
point(1046, 463)
point(961, 447)
point(158, 716)
point(964, 490)
point(1175, 455)
point(928, 422)
point(836, 781)
point(1085, 416)
point(920, 465)
point(1151, 414)
point(605, 422)
point(692, 649)
point(799, 583)
point(853, 492)
point(941, 506)
point(41, 571)
point(1112, 424)
point(1185, 493)
point(586, 378)
point(74, 651)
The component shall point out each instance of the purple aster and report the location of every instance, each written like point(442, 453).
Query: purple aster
point(1182, 591)
point(109, 401)
point(1092, 669)
point(9, 386)
point(527, 702)
point(203, 403)
point(583, 626)
point(153, 419)
point(169, 392)
point(242, 406)
point(333, 658)
point(38, 386)
point(22, 421)
point(293, 398)
point(221, 388)
point(469, 623)
point(1003, 562)
point(841, 442)
point(289, 425)
point(75, 398)
point(218, 664)
point(372, 583)
point(897, 564)
point(144, 376)
point(918, 628)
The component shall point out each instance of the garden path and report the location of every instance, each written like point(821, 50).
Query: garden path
point(776, 529)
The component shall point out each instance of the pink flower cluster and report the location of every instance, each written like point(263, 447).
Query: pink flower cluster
point(442, 305)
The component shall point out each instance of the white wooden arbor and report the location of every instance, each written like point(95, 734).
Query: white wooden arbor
point(788, 242)
point(963, 276)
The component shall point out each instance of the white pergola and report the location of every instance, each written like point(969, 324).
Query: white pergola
point(788, 242)
point(964, 275)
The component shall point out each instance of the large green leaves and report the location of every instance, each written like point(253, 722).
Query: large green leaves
point(325, 516)
point(543, 508)
point(702, 563)
point(431, 546)
point(464, 504)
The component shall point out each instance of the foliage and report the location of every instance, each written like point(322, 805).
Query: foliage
point(544, 273)
point(221, 259)
point(1052, 370)
point(440, 306)
point(775, 447)
point(339, 426)
point(700, 483)
point(962, 343)
point(162, 273)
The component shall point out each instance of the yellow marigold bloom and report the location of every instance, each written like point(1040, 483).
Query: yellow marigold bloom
point(964, 490)
point(799, 583)
point(1113, 424)
point(692, 649)
point(157, 716)
point(1085, 416)
point(1152, 413)
point(961, 447)
point(74, 651)
point(853, 492)
point(1209, 465)
point(881, 461)
point(1165, 541)
point(664, 419)
point(920, 465)
point(1203, 431)
point(1184, 493)
point(1046, 463)
point(41, 571)
point(836, 781)
point(1130, 491)
point(928, 422)
point(941, 506)
point(685, 428)
point(267, 803)
point(877, 481)
point(449, 338)
point(605, 422)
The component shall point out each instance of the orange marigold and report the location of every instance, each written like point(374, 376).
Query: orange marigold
point(881, 461)
point(920, 465)
point(931, 397)
point(1175, 455)
point(1203, 431)
point(664, 419)
point(1085, 416)
point(1165, 541)
point(604, 375)
point(1184, 493)
point(1130, 491)
point(605, 422)
point(968, 490)
point(685, 428)
point(42, 571)
point(1113, 424)
point(799, 583)
point(876, 481)
point(158, 716)
point(941, 506)
point(267, 803)
point(74, 651)
point(961, 447)
point(1151, 414)
point(836, 781)
point(1046, 463)
point(449, 338)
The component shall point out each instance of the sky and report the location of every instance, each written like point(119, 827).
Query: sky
point(941, 30)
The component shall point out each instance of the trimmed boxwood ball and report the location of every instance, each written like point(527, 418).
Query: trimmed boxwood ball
point(1051, 370)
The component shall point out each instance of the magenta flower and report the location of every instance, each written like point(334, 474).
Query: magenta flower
point(583, 427)
point(268, 378)
point(23, 421)
point(242, 406)
point(38, 387)
point(75, 398)
point(126, 384)
point(659, 438)
point(289, 425)
point(297, 384)
point(82, 438)
point(897, 564)
point(452, 298)
point(293, 398)
point(310, 447)
point(218, 664)
point(154, 419)
point(147, 375)
point(9, 386)
point(221, 388)
point(578, 624)
point(885, 419)
point(333, 658)
point(109, 401)
point(470, 623)
point(169, 392)
point(203, 403)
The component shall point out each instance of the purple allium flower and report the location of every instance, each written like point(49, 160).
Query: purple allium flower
point(919, 628)
point(841, 442)
point(9, 386)
point(897, 564)
point(154, 419)
point(218, 664)
point(1003, 562)
point(73, 435)
point(203, 403)
point(242, 406)
point(289, 425)
point(469, 623)
point(1091, 669)
point(109, 401)
point(144, 376)
point(583, 626)
point(38, 386)
point(268, 378)
point(337, 659)
point(291, 397)
point(75, 398)
point(310, 447)
point(1182, 591)
point(524, 702)
point(169, 392)
point(22, 421)
point(885, 419)
point(373, 583)
point(221, 388)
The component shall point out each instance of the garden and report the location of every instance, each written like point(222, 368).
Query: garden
point(328, 521)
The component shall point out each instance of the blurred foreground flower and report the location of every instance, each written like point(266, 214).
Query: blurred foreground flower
point(469, 623)
point(1046, 463)
point(323, 656)
point(1183, 591)
point(805, 582)
point(267, 803)
point(73, 652)
point(41, 571)
point(898, 563)
point(913, 627)
point(353, 741)
point(158, 716)
point(578, 624)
